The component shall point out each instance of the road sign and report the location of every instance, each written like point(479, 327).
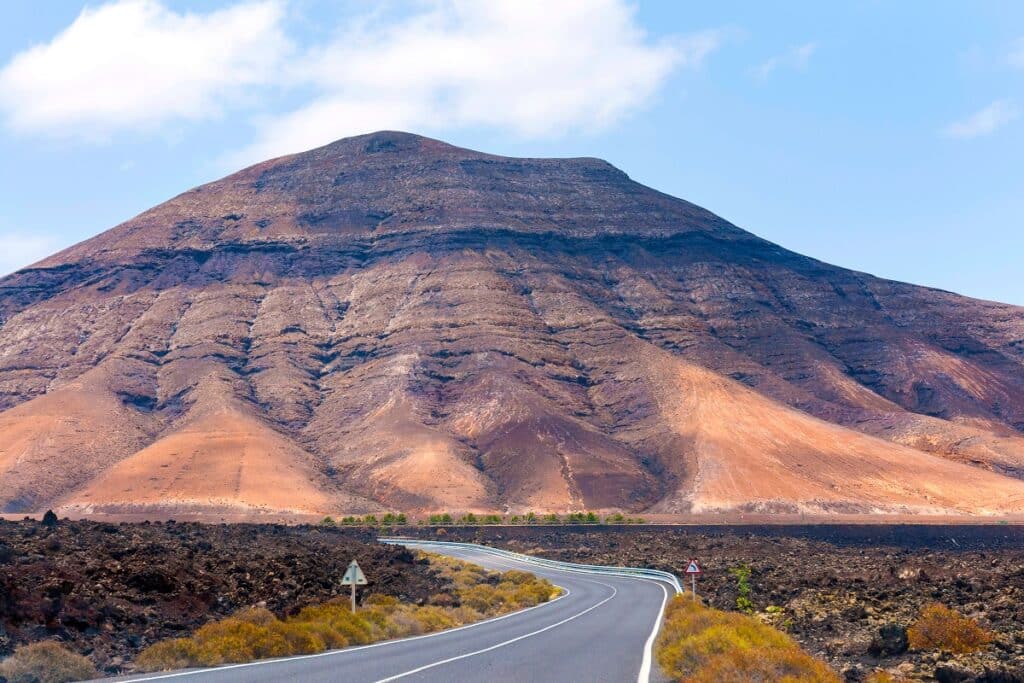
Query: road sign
point(694, 570)
point(353, 577)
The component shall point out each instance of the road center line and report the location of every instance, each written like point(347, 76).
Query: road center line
point(646, 660)
point(344, 651)
point(503, 644)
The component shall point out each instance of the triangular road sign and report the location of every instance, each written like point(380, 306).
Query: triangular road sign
point(694, 568)
point(353, 576)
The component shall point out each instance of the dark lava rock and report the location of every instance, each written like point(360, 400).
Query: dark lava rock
point(821, 576)
point(1002, 677)
point(952, 674)
point(111, 590)
point(890, 640)
point(50, 519)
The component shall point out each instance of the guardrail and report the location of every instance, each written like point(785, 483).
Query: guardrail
point(636, 572)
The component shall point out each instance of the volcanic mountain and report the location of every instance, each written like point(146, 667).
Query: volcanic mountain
point(391, 322)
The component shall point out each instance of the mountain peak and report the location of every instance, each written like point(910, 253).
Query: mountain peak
point(391, 322)
point(394, 183)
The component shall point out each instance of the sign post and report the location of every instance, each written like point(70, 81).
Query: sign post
point(694, 570)
point(353, 577)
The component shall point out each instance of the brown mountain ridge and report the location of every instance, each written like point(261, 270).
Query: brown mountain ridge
point(393, 322)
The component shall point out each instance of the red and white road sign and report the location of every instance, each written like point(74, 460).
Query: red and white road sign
point(694, 568)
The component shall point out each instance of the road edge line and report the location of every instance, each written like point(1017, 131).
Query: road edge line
point(645, 665)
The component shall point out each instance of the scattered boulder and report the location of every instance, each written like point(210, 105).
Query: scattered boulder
point(952, 674)
point(889, 641)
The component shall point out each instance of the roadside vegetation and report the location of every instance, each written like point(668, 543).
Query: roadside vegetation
point(941, 628)
point(698, 644)
point(393, 519)
point(257, 633)
point(45, 662)
point(527, 519)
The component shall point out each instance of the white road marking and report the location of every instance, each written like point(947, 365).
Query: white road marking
point(503, 644)
point(645, 665)
point(644, 675)
point(332, 653)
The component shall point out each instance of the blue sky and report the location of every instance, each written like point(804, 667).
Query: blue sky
point(884, 137)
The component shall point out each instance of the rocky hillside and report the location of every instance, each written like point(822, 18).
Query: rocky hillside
point(390, 321)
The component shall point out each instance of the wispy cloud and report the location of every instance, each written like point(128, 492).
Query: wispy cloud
point(795, 58)
point(135, 63)
point(984, 121)
point(529, 67)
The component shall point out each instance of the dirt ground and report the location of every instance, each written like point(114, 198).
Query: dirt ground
point(109, 590)
point(837, 586)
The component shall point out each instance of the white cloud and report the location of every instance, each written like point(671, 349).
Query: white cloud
point(18, 250)
point(985, 121)
point(530, 67)
point(795, 57)
point(133, 63)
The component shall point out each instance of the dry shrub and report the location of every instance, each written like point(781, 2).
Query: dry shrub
point(941, 628)
point(233, 640)
point(255, 633)
point(46, 662)
point(176, 653)
point(433, 618)
point(701, 645)
point(354, 629)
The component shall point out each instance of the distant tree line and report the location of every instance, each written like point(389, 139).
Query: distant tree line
point(471, 519)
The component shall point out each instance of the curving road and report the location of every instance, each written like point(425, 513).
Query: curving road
point(600, 630)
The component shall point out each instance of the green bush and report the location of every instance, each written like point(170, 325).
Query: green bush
point(742, 575)
point(46, 662)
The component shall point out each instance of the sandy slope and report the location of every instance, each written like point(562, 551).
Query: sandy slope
point(755, 454)
point(221, 460)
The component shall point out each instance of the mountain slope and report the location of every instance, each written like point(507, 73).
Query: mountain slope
point(390, 321)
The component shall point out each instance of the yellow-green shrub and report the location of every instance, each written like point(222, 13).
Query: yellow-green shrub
point(46, 662)
point(256, 633)
point(941, 628)
point(702, 645)
point(233, 640)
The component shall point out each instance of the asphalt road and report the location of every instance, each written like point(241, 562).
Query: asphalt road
point(600, 630)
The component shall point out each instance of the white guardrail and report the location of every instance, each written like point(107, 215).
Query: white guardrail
point(636, 572)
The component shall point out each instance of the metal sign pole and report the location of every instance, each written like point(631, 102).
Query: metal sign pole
point(693, 585)
point(353, 597)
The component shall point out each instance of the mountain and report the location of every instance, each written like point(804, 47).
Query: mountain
point(391, 322)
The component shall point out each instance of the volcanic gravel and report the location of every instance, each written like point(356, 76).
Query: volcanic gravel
point(846, 593)
point(109, 590)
